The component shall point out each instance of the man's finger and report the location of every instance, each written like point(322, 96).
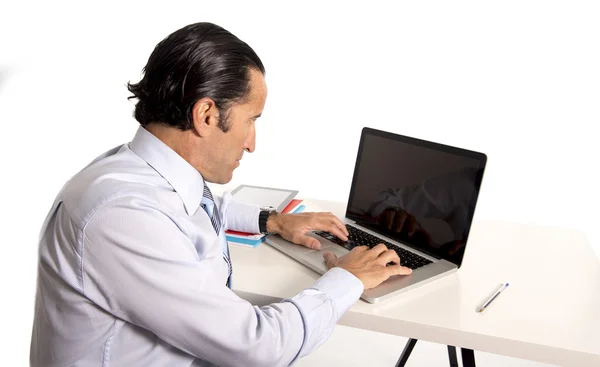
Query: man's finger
point(412, 225)
point(389, 256)
point(389, 219)
point(334, 230)
point(360, 249)
point(399, 221)
point(338, 223)
point(309, 242)
point(398, 270)
point(378, 250)
point(330, 258)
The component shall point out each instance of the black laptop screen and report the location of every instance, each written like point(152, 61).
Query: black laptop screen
point(419, 193)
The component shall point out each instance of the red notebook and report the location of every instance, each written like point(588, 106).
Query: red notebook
point(293, 205)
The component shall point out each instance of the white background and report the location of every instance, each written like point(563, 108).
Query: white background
point(517, 80)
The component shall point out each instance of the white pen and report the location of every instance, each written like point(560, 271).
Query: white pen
point(487, 303)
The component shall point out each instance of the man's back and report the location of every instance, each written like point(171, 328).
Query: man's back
point(77, 321)
point(70, 328)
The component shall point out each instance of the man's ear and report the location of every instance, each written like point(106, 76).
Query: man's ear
point(205, 116)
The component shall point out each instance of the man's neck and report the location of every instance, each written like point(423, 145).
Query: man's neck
point(182, 142)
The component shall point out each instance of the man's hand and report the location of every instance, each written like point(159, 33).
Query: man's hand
point(294, 227)
point(398, 221)
point(368, 265)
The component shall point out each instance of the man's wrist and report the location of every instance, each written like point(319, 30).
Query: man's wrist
point(266, 221)
point(273, 222)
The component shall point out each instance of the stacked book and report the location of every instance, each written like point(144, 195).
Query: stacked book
point(282, 200)
point(254, 239)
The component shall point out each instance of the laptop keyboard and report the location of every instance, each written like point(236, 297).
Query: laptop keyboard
point(356, 237)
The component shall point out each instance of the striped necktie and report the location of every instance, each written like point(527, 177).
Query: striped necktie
point(208, 204)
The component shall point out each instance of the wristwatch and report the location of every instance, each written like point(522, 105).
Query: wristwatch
point(263, 216)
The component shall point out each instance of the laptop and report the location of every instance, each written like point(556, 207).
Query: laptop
point(417, 197)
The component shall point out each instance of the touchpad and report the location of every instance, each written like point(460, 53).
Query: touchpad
point(318, 255)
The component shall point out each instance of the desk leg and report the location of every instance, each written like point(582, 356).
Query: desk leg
point(406, 352)
point(452, 356)
point(468, 357)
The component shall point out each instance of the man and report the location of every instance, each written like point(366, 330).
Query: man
point(134, 269)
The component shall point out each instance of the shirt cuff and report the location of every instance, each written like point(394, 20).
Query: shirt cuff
point(342, 287)
point(322, 305)
point(239, 216)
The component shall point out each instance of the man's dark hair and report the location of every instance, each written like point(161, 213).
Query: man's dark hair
point(199, 60)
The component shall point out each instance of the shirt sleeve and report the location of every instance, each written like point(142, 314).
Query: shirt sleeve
point(239, 216)
point(138, 265)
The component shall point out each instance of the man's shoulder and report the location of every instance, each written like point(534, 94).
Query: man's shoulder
point(107, 179)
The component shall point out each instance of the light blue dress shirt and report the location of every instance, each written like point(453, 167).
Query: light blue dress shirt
point(131, 273)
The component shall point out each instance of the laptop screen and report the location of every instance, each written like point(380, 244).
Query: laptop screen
point(419, 193)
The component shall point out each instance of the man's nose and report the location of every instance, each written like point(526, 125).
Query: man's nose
point(250, 143)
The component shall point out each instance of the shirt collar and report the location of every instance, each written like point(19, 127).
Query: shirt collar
point(185, 179)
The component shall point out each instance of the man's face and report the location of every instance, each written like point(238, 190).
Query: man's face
point(228, 147)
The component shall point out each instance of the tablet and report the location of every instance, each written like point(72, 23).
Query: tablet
point(264, 196)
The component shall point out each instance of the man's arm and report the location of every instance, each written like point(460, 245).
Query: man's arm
point(293, 227)
point(140, 266)
point(239, 216)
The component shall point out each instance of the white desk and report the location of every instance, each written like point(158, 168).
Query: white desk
point(550, 312)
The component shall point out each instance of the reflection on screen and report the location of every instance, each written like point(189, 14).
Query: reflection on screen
point(416, 194)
